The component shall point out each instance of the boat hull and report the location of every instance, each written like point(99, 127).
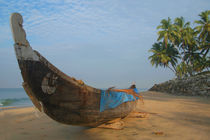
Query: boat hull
point(65, 99)
point(61, 97)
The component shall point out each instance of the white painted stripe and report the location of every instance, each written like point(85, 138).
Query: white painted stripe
point(25, 53)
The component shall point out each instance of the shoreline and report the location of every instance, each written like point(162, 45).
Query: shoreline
point(170, 117)
point(14, 107)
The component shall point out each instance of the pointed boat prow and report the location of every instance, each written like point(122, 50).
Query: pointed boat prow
point(19, 35)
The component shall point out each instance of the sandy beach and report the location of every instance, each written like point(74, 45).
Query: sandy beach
point(169, 117)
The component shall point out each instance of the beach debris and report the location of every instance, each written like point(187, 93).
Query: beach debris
point(138, 115)
point(116, 124)
point(160, 133)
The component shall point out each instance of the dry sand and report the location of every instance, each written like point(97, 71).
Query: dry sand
point(173, 117)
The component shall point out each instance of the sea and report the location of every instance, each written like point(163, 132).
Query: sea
point(17, 97)
point(14, 97)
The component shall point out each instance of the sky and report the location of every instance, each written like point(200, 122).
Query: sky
point(102, 42)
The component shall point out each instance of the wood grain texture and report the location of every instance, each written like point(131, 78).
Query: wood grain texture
point(71, 103)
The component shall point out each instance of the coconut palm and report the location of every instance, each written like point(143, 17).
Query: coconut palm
point(201, 63)
point(167, 33)
point(204, 31)
point(182, 34)
point(182, 70)
point(180, 40)
point(191, 44)
point(164, 56)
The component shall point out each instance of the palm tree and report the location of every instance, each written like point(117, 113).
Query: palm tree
point(181, 34)
point(180, 40)
point(191, 45)
point(164, 56)
point(182, 70)
point(204, 31)
point(167, 33)
point(201, 63)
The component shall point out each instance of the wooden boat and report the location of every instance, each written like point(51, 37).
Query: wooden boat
point(62, 98)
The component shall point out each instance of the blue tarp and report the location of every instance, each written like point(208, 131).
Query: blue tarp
point(112, 99)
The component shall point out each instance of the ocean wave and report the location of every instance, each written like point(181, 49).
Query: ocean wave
point(12, 101)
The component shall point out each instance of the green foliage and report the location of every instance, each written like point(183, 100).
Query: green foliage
point(164, 56)
point(204, 26)
point(203, 29)
point(167, 32)
point(182, 70)
point(181, 48)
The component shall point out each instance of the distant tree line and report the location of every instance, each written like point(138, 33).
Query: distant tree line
point(181, 48)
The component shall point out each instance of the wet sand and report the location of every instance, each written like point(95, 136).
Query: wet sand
point(170, 117)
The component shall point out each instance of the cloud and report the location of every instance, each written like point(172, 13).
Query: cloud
point(51, 19)
point(95, 34)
